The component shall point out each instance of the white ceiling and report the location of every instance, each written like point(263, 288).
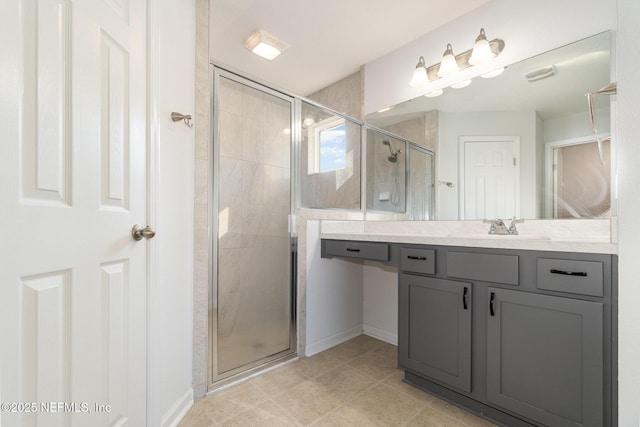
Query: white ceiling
point(327, 40)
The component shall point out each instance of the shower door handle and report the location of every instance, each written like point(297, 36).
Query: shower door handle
point(138, 232)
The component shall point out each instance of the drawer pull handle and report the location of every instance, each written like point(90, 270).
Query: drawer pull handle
point(491, 300)
point(417, 258)
point(464, 298)
point(569, 273)
point(353, 250)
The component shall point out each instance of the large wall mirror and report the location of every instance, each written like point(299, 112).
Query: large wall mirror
point(521, 143)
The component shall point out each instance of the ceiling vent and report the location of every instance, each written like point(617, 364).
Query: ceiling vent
point(541, 73)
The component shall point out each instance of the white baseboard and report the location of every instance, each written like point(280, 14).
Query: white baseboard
point(178, 410)
point(380, 334)
point(332, 341)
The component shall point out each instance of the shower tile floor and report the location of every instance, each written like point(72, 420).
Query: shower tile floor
point(356, 383)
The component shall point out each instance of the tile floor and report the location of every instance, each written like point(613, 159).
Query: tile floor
point(356, 383)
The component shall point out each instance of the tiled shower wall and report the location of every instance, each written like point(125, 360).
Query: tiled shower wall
point(422, 130)
point(384, 176)
point(344, 96)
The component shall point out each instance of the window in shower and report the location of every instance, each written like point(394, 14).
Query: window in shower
point(330, 159)
point(328, 145)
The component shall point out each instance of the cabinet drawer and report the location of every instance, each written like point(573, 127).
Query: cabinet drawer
point(349, 249)
point(483, 267)
point(571, 276)
point(418, 260)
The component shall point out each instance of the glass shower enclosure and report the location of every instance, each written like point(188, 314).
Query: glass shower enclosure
point(399, 176)
point(251, 303)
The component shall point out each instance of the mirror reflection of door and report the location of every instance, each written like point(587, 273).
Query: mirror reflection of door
point(490, 177)
point(581, 179)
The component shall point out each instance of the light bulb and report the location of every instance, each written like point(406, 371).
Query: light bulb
point(448, 65)
point(482, 52)
point(420, 77)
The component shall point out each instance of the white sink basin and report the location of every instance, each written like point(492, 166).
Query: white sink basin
point(499, 236)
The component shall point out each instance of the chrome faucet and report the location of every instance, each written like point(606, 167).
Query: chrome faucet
point(499, 227)
point(512, 228)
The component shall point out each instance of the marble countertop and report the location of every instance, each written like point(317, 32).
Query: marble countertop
point(584, 236)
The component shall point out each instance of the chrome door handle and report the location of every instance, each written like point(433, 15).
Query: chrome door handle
point(137, 232)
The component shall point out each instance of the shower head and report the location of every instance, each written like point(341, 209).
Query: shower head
point(394, 154)
point(388, 144)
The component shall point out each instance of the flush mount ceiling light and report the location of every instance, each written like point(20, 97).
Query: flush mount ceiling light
point(308, 121)
point(483, 52)
point(265, 45)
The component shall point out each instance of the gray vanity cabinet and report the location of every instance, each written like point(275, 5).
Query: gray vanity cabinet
point(435, 329)
point(545, 357)
point(525, 338)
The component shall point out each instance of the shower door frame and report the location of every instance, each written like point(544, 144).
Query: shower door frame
point(432, 157)
point(215, 380)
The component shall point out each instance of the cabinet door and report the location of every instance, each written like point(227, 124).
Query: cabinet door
point(435, 329)
point(545, 357)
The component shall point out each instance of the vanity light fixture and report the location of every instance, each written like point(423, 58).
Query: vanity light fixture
point(482, 52)
point(448, 65)
point(420, 77)
point(265, 45)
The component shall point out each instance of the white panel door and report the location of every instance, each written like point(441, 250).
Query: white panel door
point(490, 178)
point(73, 162)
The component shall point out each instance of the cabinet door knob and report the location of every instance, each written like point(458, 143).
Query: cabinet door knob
point(464, 298)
